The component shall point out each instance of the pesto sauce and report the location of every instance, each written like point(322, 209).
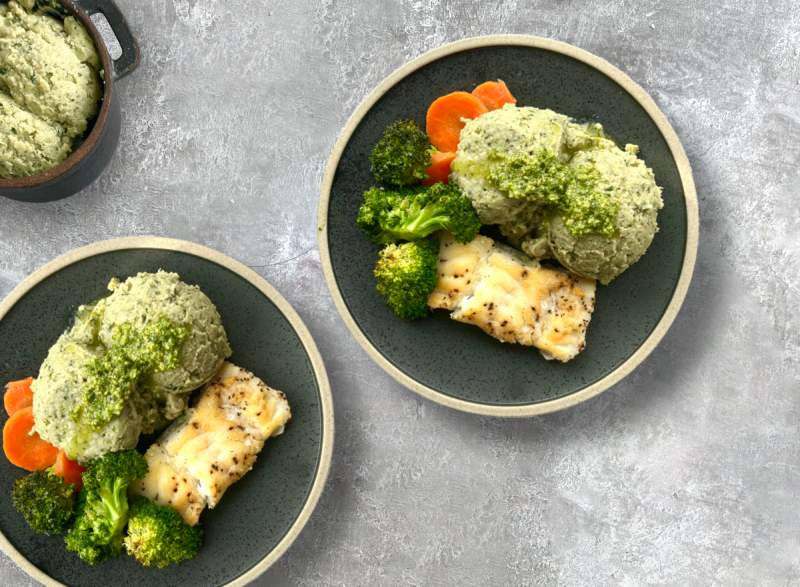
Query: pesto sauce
point(135, 352)
point(570, 192)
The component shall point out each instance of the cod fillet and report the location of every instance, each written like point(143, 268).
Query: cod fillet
point(213, 444)
point(512, 297)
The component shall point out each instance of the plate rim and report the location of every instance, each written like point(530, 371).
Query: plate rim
point(692, 225)
point(318, 367)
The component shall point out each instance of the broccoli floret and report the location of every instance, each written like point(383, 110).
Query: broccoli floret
point(103, 506)
point(157, 535)
point(401, 156)
point(414, 212)
point(46, 502)
point(407, 275)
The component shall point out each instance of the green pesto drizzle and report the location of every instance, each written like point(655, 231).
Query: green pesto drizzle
point(135, 352)
point(570, 192)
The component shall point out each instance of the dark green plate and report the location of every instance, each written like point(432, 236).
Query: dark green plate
point(260, 515)
point(457, 364)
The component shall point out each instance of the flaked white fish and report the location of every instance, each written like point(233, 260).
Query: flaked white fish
point(512, 297)
point(213, 444)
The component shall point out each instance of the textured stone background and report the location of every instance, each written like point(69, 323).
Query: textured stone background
point(686, 473)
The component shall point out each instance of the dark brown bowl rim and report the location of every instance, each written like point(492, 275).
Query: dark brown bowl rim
point(108, 91)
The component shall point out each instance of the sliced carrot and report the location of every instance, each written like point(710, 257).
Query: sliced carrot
point(445, 115)
point(71, 471)
point(24, 449)
point(18, 396)
point(439, 169)
point(494, 95)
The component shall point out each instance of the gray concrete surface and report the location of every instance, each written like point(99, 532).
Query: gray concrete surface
point(684, 474)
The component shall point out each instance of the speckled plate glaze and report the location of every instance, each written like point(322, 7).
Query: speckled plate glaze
point(261, 515)
point(457, 364)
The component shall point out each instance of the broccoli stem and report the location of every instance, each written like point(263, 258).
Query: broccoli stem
point(427, 220)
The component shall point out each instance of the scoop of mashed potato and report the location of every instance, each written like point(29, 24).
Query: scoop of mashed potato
point(50, 72)
point(28, 145)
point(56, 390)
point(511, 130)
point(164, 294)
point(155, 399)
point(533, 227)
point(632, 187)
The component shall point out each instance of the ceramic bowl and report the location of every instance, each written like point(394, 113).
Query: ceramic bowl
point(88, 161)
point(457, 364)
point(260, 515)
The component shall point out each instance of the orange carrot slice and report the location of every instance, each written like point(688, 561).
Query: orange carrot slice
point(18, 396)
point(24, 449)
point(71, 471)
point(439, 169)
point(494, 95)
point(444, 122)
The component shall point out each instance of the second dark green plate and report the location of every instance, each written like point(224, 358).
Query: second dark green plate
point(457, 364)
point(259, 516)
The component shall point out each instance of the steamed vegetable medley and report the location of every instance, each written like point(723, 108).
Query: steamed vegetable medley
point(557, 189)
point(402, 208)
point(90, 504)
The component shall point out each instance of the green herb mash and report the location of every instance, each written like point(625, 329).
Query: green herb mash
point(128, 365)
point(51, 86)
point(115, 375)
point(559, 189)
point(570, 192)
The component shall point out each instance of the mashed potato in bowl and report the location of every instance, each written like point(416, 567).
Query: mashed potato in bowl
point(50, 87)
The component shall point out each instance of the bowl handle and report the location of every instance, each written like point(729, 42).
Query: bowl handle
point(131, 55)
